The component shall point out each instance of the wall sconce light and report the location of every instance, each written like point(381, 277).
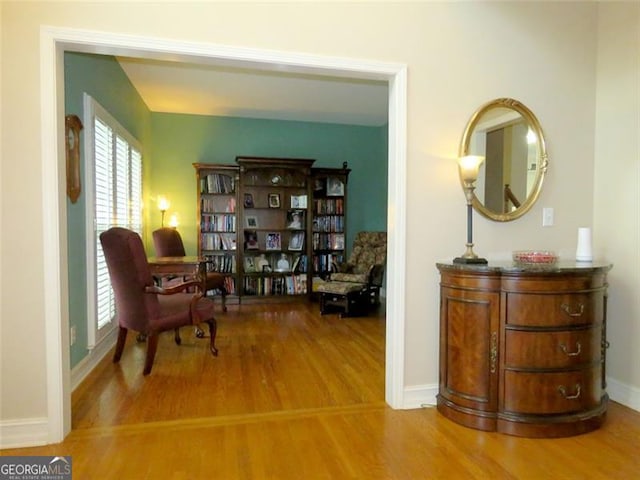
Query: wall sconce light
point(163, 206)
point(469, 166)
point(173, 221)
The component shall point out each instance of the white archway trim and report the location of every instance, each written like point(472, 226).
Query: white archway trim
point(54, 41)
point(396, 240)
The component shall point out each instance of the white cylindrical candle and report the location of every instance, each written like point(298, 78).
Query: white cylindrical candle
point(584, 251)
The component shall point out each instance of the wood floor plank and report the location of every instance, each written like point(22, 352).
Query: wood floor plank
point(296, 395)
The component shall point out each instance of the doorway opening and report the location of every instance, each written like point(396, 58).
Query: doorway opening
point(56, 41)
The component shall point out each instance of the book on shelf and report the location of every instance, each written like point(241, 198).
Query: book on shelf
point(223, 263)
point(338, 241)
point(218, 241)
point(217, 183)
point(217, 222)
point(299, 264)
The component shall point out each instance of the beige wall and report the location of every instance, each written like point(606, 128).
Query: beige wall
point(617, 188)
point(459, 55)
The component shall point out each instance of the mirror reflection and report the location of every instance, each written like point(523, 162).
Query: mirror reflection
point(510, 138)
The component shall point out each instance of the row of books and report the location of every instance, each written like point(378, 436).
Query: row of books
point(278, 285)
point(218, 223)
point(329, 223)
point(230, 285)
point(223, 263)
point(328, 241)
point(218, 204)
point(327, 263)
point(218, 241)
point(217, 183)
point(328, 206)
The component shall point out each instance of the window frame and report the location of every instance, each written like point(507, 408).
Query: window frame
point(92, 109)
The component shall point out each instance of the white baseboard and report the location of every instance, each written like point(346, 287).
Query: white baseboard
point(624, 394)
point(419, 396)
point(33, 432)
point(24, 432)
point(88, 363)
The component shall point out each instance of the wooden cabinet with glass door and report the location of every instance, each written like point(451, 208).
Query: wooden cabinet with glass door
point(273, 240)
point(329, 219)
point(217, 187)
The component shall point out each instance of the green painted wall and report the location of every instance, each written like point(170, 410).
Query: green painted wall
point(171, 143)
point(178, 141)
point(102, 78)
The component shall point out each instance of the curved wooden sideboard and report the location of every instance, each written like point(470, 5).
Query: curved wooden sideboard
point(522, 349)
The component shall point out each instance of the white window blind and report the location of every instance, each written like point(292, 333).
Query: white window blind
point(114, 198)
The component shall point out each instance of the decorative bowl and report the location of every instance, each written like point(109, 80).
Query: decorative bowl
point(535, 257)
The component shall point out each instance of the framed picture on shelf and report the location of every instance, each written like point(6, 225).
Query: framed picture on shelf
point(283, 265)
point(298, 201)
point(295, 219)
point(319, 187)
point(273, 241)
point(249, 264)
point(250, 240)
point(335, 187)
point(248, 200)
point(252, 221)
point(274, 200)
point(296, 241)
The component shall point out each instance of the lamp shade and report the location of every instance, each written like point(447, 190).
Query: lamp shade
point(163, 204)
point(469, 166)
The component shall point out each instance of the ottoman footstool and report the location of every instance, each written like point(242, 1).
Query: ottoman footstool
point(349, 297)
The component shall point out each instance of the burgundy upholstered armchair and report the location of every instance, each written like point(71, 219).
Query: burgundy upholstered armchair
point(144, 307)
point(168, 243)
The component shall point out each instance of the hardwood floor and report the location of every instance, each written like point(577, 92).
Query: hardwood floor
point(296, 395)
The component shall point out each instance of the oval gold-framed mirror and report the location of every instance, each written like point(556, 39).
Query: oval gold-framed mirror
point(509, 136)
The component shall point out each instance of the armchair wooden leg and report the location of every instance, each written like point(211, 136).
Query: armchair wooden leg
point(213, 330)
point(223, 294)
point(122, 338)
point(152, 346)
point(176, 336)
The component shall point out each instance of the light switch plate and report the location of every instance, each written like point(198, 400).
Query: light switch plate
point(547, 217)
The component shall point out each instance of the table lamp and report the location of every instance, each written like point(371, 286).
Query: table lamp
point(173, 221)
point(163, 205)
point(469, 166)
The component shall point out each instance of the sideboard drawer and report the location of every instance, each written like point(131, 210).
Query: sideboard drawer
point(568, 348)
point(547, 310)
point(552, 393)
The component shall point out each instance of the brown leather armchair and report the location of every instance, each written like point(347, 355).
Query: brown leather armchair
point(168, 243)
point(356, 284)
point(144, 307)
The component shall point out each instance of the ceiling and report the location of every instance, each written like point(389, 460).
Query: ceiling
point(199, 89)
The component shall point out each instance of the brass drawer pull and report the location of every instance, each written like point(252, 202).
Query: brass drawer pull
point(563, 391)
point(577, 313)
point(563, 347)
